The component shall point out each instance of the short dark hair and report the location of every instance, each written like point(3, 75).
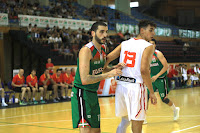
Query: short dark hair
point(58, 70)
point(154, 40)
point(96, 24)
point(145, 23)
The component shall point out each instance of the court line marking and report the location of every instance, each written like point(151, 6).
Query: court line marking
point(185, 129)
point(27, 124)
point(35, 114)
point(32, 123)
point(41, 113)
point(42, 122)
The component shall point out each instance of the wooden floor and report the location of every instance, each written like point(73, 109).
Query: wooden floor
point(56, 118)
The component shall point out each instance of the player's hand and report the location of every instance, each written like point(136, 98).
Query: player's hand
point(114, 72)
point(154, 78)
point(120, 65)
point(153, 98)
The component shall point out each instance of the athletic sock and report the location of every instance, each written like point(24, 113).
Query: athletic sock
point(173, 107)
point(33, 98)
point(3, 100)
point(41, 98)
point(123, 125)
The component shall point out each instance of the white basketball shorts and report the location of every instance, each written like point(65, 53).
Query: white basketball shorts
point(131, 101)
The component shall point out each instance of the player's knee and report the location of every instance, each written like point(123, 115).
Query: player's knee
point(165, 100)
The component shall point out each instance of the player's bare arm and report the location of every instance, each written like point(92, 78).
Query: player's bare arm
point(112, 56)
point(145, 64)
point(84, 65)
point(164, 63)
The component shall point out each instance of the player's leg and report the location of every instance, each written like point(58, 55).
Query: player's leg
point(123, 125)
point(85, 111)
point(121, 109)
point(136, 126)
point(163, 89)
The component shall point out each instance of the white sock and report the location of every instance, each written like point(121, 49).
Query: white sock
point(173, 107)
point(123, 125)
point(41, 98)
point(64, 97)
point(3, 100)
point(33, 98)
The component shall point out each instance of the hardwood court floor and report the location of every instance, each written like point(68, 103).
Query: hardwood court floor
point(56, 118)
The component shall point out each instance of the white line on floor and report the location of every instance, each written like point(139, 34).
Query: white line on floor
point(185, 129)
point(35, 114)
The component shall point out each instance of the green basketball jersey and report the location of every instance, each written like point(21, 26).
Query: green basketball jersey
point(96, 67)
point(156, 65)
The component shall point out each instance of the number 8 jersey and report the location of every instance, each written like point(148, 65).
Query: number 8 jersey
point(131, 54)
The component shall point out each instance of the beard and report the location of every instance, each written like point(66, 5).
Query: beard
point(99, 40)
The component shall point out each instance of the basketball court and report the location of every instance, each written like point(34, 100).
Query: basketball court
point(56, 117)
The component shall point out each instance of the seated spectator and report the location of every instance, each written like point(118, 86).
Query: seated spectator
point(52, 40)
point(176, 76)
point(49, 66)
point(29, 28)
point(19, 86)
point(127, 35)
point(58, 41)
point(3, 103)
point(57, 77)
point(193, 76)
point(68, 78)
point(170, 75)
point(184, 74)
point(35, 33)
point(197, 69)
point(48, 83)
point(66, 52)
point(32, 83)
point(120, 34)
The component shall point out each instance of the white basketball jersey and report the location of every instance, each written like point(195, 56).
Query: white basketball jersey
point(131, 54)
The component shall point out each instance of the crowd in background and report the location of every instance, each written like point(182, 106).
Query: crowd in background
point(184, 77)
point(59, 9)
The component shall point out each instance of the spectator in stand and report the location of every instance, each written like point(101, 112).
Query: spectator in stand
point(120, 34)
point(52, 40)
point(32, 83)
point(48, 83)
point(29, 28)
point(19, 86)
point(66, 52)
point(170, 75)
point(184, 74)
point(127, 35)
point(193, 76)
point(49, 66)
point(58, 78)
point(197, 69)
point(3, 103)
point(176, 76)
point(35, 33)
point(43, 37)
point(58, 41)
